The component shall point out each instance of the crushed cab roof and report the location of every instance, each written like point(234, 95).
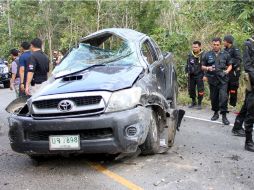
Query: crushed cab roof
point(125, 33)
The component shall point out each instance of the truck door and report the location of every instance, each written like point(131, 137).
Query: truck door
point(156, 65)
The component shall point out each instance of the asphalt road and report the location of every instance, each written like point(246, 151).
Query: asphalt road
point(205, 156)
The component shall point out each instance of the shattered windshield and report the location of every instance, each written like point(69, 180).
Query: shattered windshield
point(87, 55)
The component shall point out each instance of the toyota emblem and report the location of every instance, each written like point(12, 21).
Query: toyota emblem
point(65, 105)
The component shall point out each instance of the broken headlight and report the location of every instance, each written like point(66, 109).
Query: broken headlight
point(124, 99)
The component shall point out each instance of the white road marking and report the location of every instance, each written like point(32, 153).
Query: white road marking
point(208, 120)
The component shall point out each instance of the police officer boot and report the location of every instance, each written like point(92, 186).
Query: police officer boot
point(193, 103)
point(249, 144)
point(215, 116)
point(237, 130)
point(225, 119)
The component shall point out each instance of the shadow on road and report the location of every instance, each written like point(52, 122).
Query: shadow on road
point(70, 160)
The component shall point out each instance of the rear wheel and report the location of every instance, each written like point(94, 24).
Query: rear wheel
point(152, 142)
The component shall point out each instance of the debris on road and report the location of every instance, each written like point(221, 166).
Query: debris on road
point(159, 182)
point(235, 157)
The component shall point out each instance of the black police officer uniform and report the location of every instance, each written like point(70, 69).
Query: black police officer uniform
point(195, 77)
point(248, 61)
point(218, 82)
point(237, 128)
point(234, 74)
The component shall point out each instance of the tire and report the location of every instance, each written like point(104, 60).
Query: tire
point(6, 84)
point(152, 143)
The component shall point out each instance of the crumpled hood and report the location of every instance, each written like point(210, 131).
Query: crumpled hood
point(107, 78)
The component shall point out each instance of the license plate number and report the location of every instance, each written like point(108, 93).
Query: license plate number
point(64, 142)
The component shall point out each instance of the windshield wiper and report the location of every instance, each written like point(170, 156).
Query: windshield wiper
point(103, 63)
point(95, 65)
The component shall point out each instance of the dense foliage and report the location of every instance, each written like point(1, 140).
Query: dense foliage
point(174, 24)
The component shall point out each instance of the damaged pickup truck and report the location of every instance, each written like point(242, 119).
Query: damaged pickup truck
point(113, 93)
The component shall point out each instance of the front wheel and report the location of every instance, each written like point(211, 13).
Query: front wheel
point(152, 142)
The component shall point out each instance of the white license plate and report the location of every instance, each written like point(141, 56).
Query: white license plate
point(64, 142)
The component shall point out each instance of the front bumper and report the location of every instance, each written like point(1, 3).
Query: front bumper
point(22, 141)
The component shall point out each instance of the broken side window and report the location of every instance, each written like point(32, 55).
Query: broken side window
point(148, 52)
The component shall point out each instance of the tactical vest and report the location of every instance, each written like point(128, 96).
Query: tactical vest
point(236, 62)
point(194, 66)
